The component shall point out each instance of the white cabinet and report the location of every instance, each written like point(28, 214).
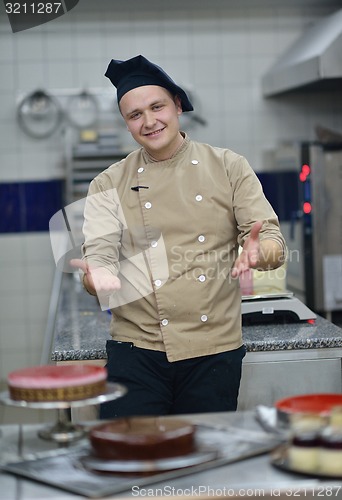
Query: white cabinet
point(269, 376)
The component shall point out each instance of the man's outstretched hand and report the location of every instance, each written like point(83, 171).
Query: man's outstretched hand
point(97, 280)
point(250, 255)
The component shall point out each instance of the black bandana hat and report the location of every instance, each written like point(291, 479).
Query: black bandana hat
point(139, 71)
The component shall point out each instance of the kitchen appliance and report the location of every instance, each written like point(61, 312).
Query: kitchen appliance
point(305, 191)
point(313, 62)
point(281, 307)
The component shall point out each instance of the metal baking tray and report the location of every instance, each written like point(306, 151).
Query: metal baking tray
point(64, 468)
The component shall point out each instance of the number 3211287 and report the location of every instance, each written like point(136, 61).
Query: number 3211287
point(33, 8)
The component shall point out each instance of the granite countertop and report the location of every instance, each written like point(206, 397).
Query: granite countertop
point(82, 329)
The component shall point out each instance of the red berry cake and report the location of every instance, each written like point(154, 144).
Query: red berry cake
point(57, 382)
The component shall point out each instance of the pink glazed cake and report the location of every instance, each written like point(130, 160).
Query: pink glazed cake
point(57, 383)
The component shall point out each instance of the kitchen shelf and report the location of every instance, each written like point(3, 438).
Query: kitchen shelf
point(84, 162)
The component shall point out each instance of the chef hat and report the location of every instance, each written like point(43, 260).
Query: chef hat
point(137, 72)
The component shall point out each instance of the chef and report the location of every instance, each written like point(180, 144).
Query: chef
point(162, 232)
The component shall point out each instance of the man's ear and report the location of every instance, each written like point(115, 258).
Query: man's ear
point(178, 103)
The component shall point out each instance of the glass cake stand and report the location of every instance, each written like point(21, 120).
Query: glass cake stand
point(65, 431)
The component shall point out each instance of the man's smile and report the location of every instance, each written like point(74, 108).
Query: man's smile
point(155, 132)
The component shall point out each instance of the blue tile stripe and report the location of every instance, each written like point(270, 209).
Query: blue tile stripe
point(28, 206)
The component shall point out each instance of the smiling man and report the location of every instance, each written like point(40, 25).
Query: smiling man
point(151, 114)
point(162, 231)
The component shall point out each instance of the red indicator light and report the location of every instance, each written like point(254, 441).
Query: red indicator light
point(311, 321)
point(307, 207)
point(306, 170)
point(302, 177)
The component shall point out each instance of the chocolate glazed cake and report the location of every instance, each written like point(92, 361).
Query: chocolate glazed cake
point(142, 438)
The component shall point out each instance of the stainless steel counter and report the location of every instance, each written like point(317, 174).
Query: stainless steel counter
point(252, 477)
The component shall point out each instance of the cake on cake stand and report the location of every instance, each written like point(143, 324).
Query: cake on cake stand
point(64, 430)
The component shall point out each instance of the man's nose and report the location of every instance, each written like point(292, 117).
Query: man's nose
point(149, 119)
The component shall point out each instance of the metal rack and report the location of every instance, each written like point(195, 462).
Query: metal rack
point(84, 161)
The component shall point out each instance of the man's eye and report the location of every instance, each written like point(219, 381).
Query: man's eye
point(135, 116)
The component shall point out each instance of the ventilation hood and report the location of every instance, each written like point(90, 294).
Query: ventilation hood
point(314, 61)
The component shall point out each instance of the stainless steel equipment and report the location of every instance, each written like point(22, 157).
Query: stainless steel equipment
point(283, 307)
point(313, 62)
point(39, 114)
point(312, 221)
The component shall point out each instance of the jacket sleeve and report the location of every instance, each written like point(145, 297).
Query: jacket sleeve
point(250, 204)
point(103, 226)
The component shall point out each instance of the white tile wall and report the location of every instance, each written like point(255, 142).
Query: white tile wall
point(27, 270)
point(219, 53)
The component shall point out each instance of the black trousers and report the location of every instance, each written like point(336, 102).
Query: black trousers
point(158, 387)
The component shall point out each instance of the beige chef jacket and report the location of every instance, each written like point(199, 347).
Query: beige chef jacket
point(170, 230)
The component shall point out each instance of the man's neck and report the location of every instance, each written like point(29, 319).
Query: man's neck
point(162, 156)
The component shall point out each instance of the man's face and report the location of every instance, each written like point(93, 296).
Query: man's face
point(152, 117)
